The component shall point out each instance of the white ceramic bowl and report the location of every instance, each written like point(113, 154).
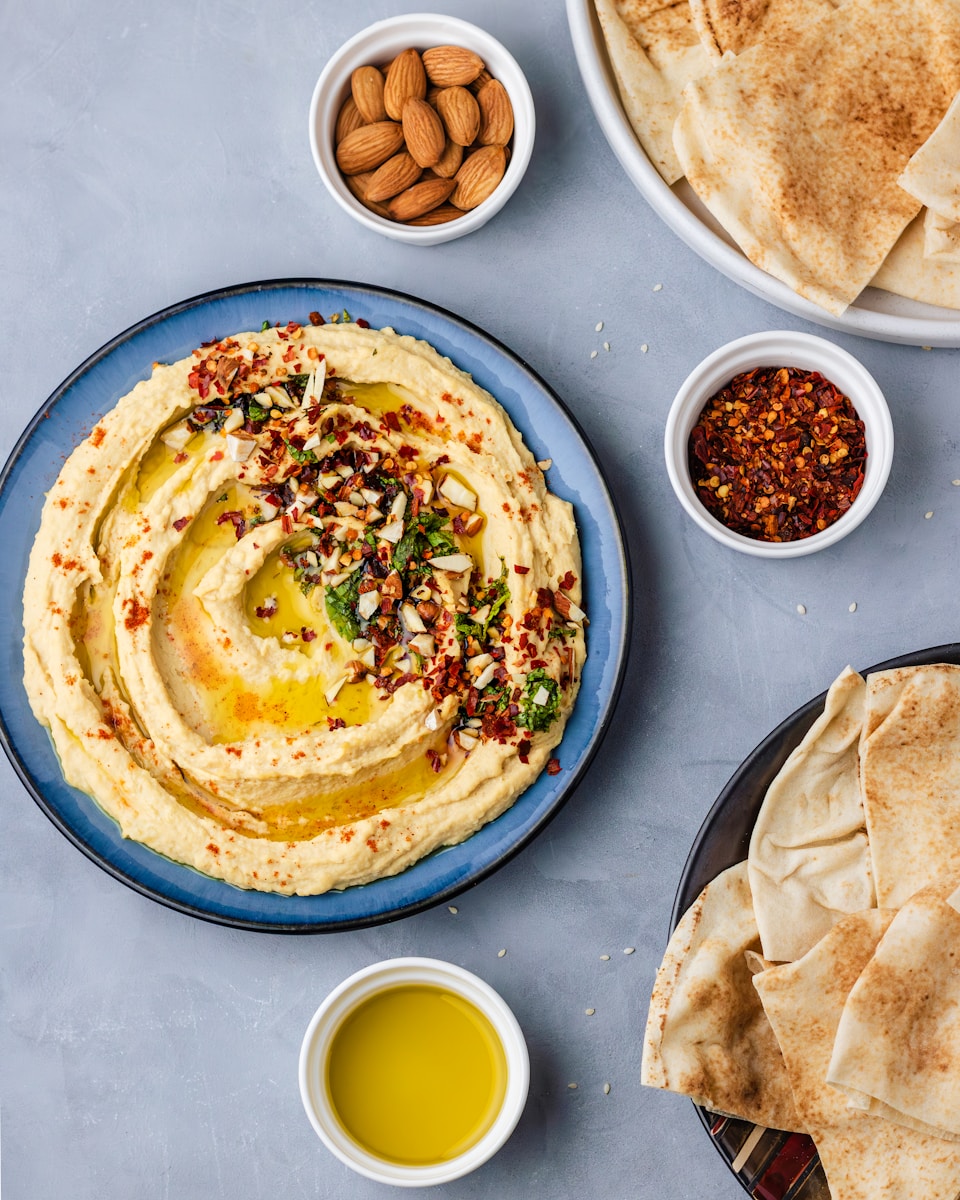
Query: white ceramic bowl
point(381, 42)
point(343, 1000)
point(781, 349)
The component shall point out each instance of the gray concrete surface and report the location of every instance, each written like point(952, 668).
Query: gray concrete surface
point(152, 152)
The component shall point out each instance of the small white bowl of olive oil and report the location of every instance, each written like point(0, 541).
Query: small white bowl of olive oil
point(414, 1072)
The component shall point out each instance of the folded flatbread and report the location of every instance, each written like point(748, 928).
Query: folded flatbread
point(897, 1049)
point(909, 271)
point(910, 778)
point(735, 25)
point(863, 1157)
point(809, 860)
point(796, 146)
point(941, 237)
point(706, 1035)
point(932, 175)
point(653, 49)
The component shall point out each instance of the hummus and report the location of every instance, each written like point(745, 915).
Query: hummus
point(301, 609)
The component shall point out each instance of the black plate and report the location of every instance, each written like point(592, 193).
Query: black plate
point(773, 1165)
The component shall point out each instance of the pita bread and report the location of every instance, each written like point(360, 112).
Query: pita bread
point(932, 175)
point(654, 50)
point(941, 237)
point(735, 25)
point(910, 778)
point(796, 146)
point(863, 1157)
point(909, 271)
point(809, 860)
point(706, 1035)
point(897, 1049)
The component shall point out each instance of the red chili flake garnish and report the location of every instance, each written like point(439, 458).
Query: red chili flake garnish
point(216, 456)
point(286, 524)
point(236, 519)
point(545, 597)
point(392, 421)
point(778, 454)
point(553, 766)
point(264, 611)
point(523, 749)
point(307, 634)
point(336, 723)
point(181, 523)
point(521, 570)
point(316, 319)
point(181, 457)
point(362, 323)
point(436, 763)
point(566, 582)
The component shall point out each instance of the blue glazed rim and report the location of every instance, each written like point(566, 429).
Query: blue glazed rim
point(548, 429)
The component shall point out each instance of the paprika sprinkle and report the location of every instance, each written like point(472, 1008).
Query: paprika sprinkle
point(778, 454)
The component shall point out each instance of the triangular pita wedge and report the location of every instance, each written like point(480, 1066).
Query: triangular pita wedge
point(706, 1035)
point(941, 237)
point(909, 271)
point(863, 1157)
point(653, 49)
point(932, 175)
point(910, 778)
point(897, 1049)
point(809, 860)
point(735, 25)
point(796, 146)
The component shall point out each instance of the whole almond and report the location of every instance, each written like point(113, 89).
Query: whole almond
point(367, 147)
point(420, 198)
point(437, 216)
point(479, 176)
point(406, 80)
point(496, 114)
point(366, 87)
point(451, 66)
point(448, 164)
point(460, 113)
point(348, 119)
point(423, 132)
point(358, 185)
point(395, 175)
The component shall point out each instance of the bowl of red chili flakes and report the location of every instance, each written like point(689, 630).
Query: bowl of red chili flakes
point(779, 444)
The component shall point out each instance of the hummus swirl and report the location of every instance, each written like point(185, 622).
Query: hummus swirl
point(301, 609)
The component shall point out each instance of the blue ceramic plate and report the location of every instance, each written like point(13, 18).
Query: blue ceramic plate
point(769, 1163)
point(548, 430)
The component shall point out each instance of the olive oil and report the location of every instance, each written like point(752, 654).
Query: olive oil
point(416, 1074)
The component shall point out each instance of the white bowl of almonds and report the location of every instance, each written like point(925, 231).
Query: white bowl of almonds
point(421, 127)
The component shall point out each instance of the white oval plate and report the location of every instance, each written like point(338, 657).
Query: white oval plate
point(875, 314)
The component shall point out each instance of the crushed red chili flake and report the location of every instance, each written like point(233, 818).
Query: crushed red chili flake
point(778, 454)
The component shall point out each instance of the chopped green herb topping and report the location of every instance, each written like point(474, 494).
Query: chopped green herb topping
point(534, 715)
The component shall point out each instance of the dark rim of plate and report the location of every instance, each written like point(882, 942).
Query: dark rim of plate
point(621, 649)
point(782, 1167)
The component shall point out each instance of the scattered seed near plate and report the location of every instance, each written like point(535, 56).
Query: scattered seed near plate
point(606, 345)
point(572, 1087)
point(452, 908)
point(644, 348)
point(629, 950)
point(501, 953)
point(955, 482)
point(658, 287)
point(802, 610)
point(598, 326)
point(606, 1089)
point(853, 607)
point(588, 1012)
point(928, 515)
point(545, 464)
point(604, 957)
point(594, 353)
